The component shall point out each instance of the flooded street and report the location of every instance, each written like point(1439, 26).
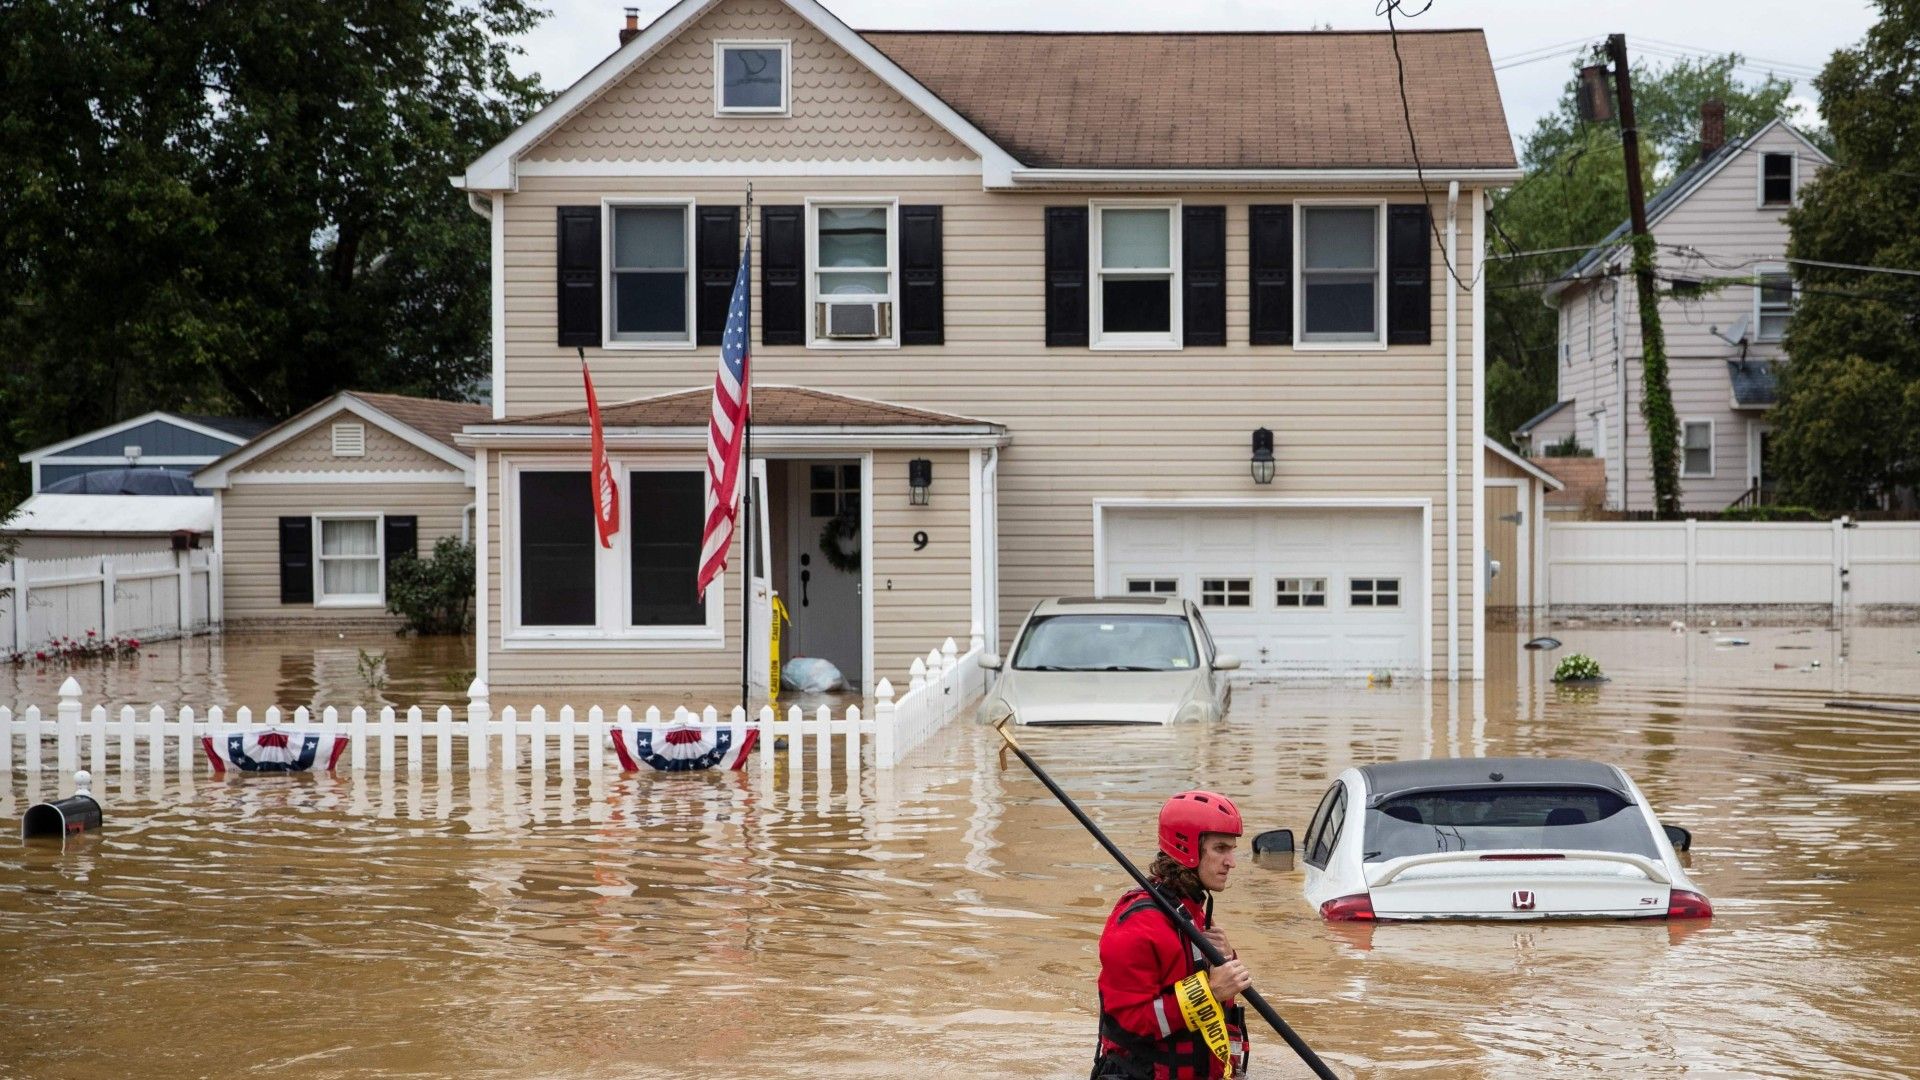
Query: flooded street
point(947, 912)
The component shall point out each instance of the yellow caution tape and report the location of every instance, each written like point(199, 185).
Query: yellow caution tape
point(773, 650)
point(1204, 1015)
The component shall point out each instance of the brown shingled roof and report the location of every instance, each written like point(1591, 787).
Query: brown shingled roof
point(440, 420)
point(1318, 99)
point(773, 406)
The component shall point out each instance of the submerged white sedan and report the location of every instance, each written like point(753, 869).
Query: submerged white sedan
point(1494, 838)
point(1116, 660)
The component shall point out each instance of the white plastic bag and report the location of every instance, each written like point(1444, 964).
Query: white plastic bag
point(811, 675)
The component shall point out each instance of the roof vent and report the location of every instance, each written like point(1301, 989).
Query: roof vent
point(349, 440)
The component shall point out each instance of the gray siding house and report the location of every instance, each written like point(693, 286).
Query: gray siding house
point(157, 440)
point(1726, 299)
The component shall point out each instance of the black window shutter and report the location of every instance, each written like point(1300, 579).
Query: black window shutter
point(716, 251)
point(1270, 265)
point(403, 537)
point(1203, 275)
point(296, 560)
point(922, 291)
point(579, 261)
point(1066, 275)
point(1409, 261)
point(783, 268)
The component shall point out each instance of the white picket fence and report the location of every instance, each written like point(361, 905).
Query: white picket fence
point(439, 740)
point(1843, 565)
point(147, 594)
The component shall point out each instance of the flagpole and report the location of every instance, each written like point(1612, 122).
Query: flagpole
point(746, 452)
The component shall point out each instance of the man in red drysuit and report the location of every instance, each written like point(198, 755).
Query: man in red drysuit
point(1161, 1007)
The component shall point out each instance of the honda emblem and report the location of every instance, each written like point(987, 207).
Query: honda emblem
point(1523, 899)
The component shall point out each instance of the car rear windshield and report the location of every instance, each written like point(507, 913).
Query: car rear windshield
point(1490, 818)
point(1106, 643)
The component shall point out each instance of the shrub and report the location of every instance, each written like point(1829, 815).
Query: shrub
point(1567, 447)
point(1773, 513)
point(434, 595)
point(65, 651)
point(1576, 666)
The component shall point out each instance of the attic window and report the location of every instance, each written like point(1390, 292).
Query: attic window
point(349, 440)
point(1776, 179)
point(750, 77)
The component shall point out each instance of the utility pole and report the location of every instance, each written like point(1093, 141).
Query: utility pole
point(1656, 399)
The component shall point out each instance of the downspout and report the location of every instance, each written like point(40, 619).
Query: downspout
point(990, 552)
point(1453, 435)
point(480, 204)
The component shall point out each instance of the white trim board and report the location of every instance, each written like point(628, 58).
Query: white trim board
point(129, 425)
point(217, 475)
point(349, 478)
point(749, 168)
point(497, 169)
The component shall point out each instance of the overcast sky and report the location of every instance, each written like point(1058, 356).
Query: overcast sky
point(1793, 37)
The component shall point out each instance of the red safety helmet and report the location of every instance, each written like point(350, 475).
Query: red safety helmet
point(1190, 814)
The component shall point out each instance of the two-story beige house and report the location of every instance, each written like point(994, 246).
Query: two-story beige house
point(1033, 314)
point(1726, 296)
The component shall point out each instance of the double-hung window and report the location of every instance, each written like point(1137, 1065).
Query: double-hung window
point(1343, 296)
point(649, 267)
point(641, 592)
point(1777, 179)
point(750, 78)
point(1136, 275)
point(1772, 303)
point(347, 571)
point(853, 278)
point(1696, 449)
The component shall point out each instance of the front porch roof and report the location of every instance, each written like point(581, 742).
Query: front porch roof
point(784, 418)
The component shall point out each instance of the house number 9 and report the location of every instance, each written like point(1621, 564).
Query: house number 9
point(920, 540)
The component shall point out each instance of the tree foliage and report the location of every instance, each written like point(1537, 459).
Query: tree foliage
point(1847, 430)
point(242, 208)
point(435, 594)
point(1574, 193)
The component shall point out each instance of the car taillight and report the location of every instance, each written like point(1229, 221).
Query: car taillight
point(1682, 904)
point(1348, 908)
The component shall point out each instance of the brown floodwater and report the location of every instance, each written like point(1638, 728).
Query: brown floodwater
point(941, 919)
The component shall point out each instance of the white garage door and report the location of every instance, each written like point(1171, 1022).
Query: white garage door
point(1292, 592)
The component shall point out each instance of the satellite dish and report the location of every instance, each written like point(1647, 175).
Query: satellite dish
point(1735, 335)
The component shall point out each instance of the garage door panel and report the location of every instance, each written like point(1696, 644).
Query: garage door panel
point(1203, 549)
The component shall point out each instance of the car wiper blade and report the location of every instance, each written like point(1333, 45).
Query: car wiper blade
point(1129, 667)
point(1049, 667)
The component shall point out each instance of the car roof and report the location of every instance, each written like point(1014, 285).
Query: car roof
point(1400, 776)
point(1108, 605)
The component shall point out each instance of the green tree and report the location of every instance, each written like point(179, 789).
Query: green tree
point(1847, 430)
point(242, 207)
point(1574, 193)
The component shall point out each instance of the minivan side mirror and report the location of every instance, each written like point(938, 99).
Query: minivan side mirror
point(1681, 839)
point(990, 660)
point(1226, 662)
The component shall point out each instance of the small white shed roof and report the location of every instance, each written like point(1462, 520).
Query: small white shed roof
point(119, 514)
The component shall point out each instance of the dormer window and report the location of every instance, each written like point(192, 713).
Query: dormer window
point(1777, 179)
point(751, 77)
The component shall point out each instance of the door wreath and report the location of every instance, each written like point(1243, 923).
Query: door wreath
point(840, 543)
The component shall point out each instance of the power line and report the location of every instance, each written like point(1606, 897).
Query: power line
point(1387, 8)
point(1813, 68)
point(1561, 47)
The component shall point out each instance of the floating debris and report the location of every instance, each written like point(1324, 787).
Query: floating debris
point(1731, 641)
point(1543, 643)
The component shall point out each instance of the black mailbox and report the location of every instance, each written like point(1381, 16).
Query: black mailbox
point(77, 813)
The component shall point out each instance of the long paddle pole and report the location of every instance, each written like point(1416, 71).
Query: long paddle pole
point(1172, 911)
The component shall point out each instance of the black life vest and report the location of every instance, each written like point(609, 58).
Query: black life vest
point(1137, 1057)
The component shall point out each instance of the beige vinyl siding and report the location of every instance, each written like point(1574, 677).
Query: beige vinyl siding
point(250, 536)
point(313, 451)
point(1553, 430)
point(665, 109)
point(920, 598)
point(1734, 235)
point(1084, 424)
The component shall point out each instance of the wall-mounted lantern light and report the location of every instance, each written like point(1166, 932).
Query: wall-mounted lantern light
point(919, 479)
point(1262, 456)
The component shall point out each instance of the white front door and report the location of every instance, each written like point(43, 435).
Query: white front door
point(760, 568)
point(1290, 591)
point(824, 598)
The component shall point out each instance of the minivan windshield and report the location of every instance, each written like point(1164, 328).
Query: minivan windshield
point(1491, 818)
point(1106, 643)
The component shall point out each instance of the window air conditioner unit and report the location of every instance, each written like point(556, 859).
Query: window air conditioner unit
point(856, 319)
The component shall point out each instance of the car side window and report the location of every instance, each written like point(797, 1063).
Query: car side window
point(1206, 635)
point(1314, 848)
point(1336, 826)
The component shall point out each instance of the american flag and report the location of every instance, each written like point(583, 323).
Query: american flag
point(732, 387)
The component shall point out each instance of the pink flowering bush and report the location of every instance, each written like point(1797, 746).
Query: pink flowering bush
point(66, 650)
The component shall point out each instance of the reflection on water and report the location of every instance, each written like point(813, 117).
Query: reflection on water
point(732, 925)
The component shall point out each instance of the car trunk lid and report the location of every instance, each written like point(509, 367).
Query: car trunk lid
point(1519, 884)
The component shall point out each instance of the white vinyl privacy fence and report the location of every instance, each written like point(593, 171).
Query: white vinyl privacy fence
point(1842, 565)
point(478, 737)
point(149, 594)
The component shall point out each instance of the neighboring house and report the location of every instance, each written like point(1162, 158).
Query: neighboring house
point(1059, 287)
point(174, 442)
point(312, 512)
point(53, 526)
point(1721, 219)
